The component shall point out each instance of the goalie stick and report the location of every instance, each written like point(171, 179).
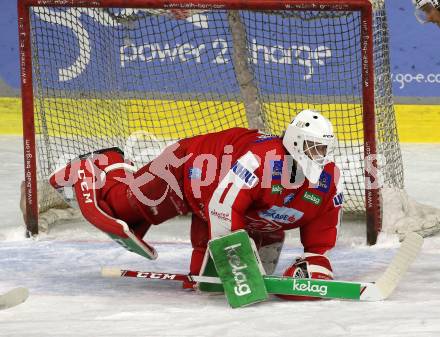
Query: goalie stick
point(13, 297)
point(361, 291)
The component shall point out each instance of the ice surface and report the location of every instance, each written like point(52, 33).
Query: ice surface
point(68, 297)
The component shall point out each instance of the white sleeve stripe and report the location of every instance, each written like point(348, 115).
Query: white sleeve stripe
point(249, 161)
point(313, 268)
point(313, 254)
point(338, 225)
point(220, 214)
point(125, 166)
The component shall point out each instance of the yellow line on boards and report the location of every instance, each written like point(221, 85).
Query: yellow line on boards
point(415, 123)
point(10, 116)
point(418, 123)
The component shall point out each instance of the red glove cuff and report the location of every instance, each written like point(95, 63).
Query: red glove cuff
point(309, 266)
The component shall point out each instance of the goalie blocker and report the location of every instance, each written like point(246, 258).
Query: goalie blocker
point(309, 266)
point(236, 261)
point(239, 267)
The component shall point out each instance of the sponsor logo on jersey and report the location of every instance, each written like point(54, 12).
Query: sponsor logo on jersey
point(277, 189)
point(265, 137)
point(288, 198)
point(276, 167)
point(244, 174)
point(338, 199)
point(221, 215)
point(313, 198)
point(195, 173)
point(324, 182)
point(281, 214)
point(264, 226)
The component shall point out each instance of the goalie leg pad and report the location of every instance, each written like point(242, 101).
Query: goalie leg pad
point(117, 229)
point(88, 178)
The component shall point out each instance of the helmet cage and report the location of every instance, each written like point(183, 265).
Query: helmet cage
point(319, 150)
point(307, 149)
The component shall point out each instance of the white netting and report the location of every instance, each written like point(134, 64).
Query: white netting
point(401, 214)
point(109, 77)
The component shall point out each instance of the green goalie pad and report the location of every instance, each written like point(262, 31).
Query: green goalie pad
point(239, 269)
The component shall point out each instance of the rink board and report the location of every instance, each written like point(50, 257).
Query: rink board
point(416, 123)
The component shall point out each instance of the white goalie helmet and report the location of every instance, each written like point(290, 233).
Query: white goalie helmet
point(309, 138)
point(420, 14)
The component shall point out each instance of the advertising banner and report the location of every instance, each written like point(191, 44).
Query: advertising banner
point(415, 59)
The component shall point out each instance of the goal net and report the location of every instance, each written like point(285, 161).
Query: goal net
point(96, 76)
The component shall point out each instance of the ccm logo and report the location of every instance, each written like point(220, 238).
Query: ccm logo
point(84, 187)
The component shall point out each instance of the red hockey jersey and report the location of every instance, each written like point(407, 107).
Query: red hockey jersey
point(243, 179)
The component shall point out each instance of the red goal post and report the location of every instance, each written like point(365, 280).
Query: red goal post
point(365, 46)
